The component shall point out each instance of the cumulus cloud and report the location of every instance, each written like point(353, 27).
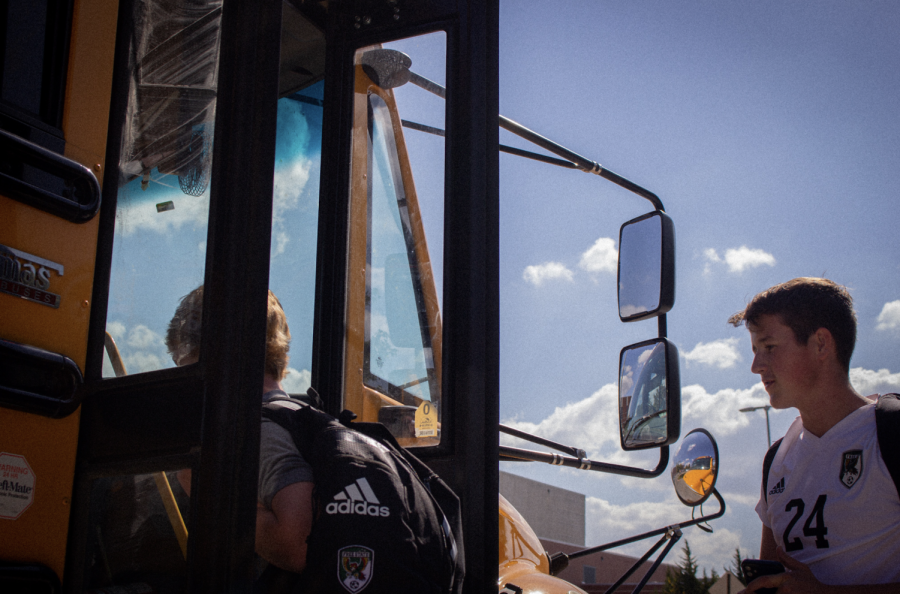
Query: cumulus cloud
point(889, 318)
point(142, 337)
point(600, 257)
point(719, 412)
point(867, 381)
point(137, 210)
point(116, 330)
point(589, 424)
point(607, 522)
point(738, 259)
point(296, 382)
point(715, 550)
point(141, 349)
point(541, 273)
point(718, 353)
point(290, 180)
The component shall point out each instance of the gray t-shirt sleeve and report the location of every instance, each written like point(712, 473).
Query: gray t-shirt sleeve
point(280, 464)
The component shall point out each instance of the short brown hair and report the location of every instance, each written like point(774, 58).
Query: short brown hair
point(804, 305)
point(183, 333)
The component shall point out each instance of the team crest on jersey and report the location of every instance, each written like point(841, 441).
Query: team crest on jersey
point(355, 566)
point(851, 467)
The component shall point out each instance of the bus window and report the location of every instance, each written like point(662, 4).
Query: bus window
point(292, 269)
point(164, 168)
point(394, 322)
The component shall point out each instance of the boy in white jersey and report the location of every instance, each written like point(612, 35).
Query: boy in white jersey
point(830, 510)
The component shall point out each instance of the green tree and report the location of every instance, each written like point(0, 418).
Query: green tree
point(683, 579)
point(735, 568)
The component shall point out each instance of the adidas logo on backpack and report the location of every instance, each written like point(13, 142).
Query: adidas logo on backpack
point(778, 488)
point(357, 498)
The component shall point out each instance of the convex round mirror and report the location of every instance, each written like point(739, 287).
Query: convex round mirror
point(695, 468)
point(649, 395)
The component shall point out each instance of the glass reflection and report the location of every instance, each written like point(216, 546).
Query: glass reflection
point(640, 267)
point(642, 395)
point(695, 467)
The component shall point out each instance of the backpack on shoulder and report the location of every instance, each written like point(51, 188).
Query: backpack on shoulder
point(383, 521)
point(887, 425)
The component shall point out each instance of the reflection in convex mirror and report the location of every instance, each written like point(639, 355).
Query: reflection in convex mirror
point(643, 406)
point(695, 468)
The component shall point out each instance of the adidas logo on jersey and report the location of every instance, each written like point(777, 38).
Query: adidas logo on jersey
point(357, 498)
point(778, 488)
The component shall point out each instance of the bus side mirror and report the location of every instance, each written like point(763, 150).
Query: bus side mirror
point(649, 395)
point(646, 278)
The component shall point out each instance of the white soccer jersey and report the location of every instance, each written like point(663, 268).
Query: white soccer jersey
point(832, 503)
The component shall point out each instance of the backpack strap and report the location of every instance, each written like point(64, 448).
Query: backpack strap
point(767, 465)
point(887, 425)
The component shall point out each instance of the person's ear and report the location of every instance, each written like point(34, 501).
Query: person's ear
point(824, 343)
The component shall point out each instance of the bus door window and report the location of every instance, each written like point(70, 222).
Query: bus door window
point(394, 324)
point(292, 268)
point(164, 169)
point(139, 523)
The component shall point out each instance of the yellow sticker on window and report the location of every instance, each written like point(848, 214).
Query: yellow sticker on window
point(426, 420)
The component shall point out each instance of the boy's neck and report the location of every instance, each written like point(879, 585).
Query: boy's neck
point(833, 401)
point(270, 383)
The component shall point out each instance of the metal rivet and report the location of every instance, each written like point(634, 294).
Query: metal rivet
point(396, 17)
point(367, 20)
point(97, 167)
point(85, 304)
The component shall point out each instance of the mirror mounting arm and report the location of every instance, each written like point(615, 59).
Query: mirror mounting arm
point(585, 464)
point(675, 529)
point(577, 452)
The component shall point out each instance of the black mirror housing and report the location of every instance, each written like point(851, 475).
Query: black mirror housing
point(646, 270)
point(649, 395)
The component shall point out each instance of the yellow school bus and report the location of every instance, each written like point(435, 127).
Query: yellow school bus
point(153, 146)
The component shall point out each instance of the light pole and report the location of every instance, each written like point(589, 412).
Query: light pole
point(765, 408)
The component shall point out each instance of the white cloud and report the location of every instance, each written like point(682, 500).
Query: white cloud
point(116, 330)
point(589, 424)
point(867, 381)
point(718, 412)
point(537, 275)
point(600, 257)
point(739, 259)
point(288, 187)
point(137, 211)
point(142, 361)
point(141, 349)
point(607, 522)
point(719, 353)
point(714, 551)
point(296, 382)
point(748, 499)
point(142, 337)
point(889, 318)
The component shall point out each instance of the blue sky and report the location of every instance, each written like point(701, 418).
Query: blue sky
point(769, 130)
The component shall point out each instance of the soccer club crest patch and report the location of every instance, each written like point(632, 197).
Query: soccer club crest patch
point(355, 566)
point(851, 467)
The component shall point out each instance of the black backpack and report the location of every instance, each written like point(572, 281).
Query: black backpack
point(887, 425)
point(383, 521)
